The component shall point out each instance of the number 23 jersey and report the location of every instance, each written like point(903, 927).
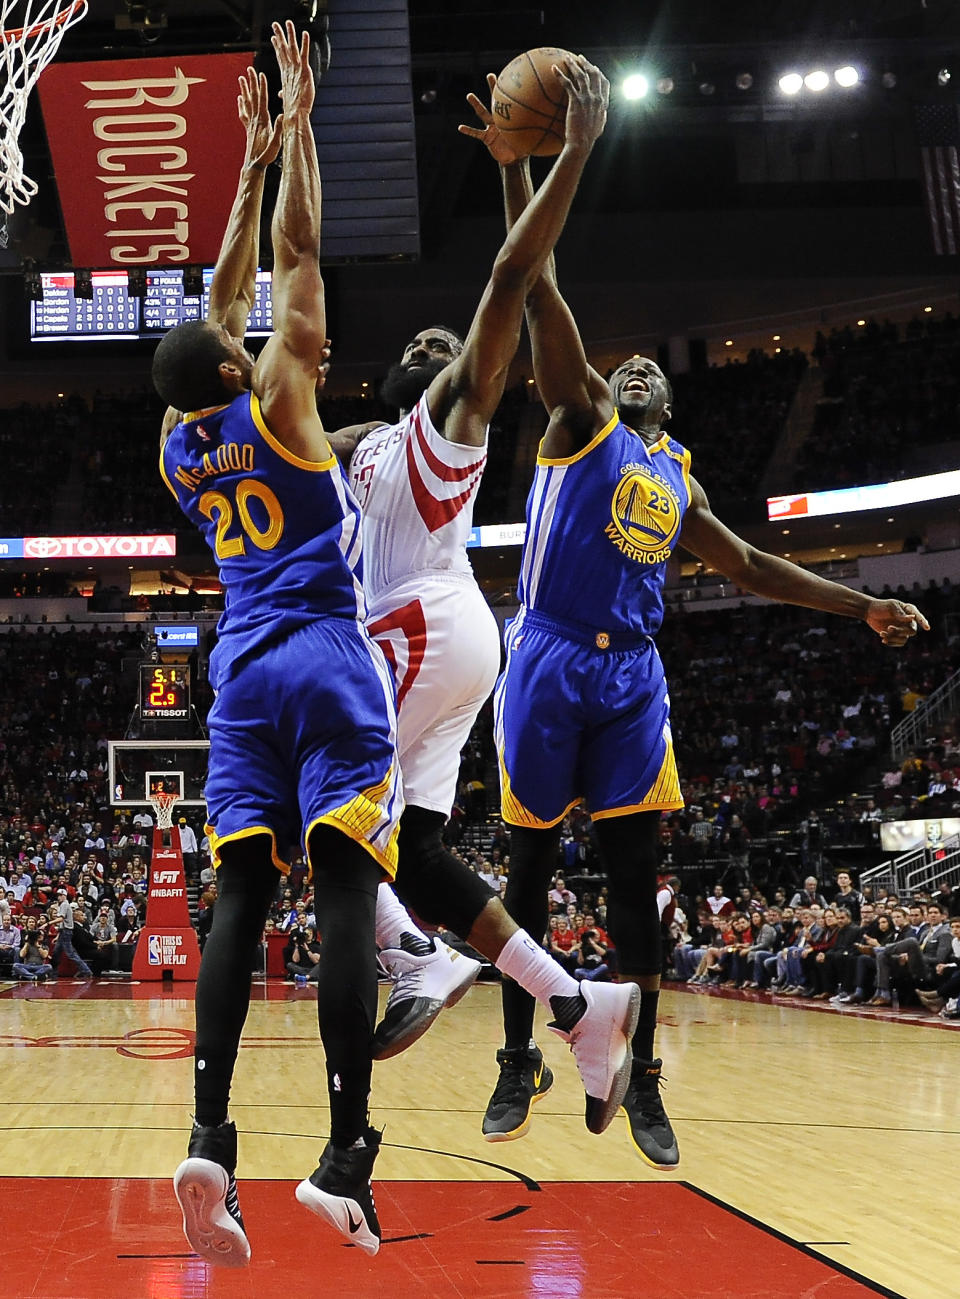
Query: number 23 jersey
point(285, 531)
point(601, 525)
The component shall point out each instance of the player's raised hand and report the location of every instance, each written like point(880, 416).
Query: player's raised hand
point(296, 78)
point(489, 134)
point(263, 136)
point(895, 622)
point(588, 93)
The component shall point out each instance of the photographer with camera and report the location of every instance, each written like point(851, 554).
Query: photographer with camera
point(301, 956)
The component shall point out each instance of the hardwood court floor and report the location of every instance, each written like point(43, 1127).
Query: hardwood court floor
point(830, 1131)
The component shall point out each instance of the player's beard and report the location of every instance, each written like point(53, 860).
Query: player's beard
point(404, 388)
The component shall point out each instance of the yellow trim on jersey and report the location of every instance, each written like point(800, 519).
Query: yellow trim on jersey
point(686, 476)
point(217, 841)
point(664, 794)
point(357, 818)
point(191, 416)
point(312, 466)
point(163, 474)
point(594, 442)
point(661, 444)
point(513, 811)
point(387, 861)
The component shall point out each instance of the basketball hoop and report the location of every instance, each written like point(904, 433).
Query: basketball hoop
point(24, 53)
point(163, 809)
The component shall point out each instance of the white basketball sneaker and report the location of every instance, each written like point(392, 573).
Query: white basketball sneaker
point(600, 1042)
point(424, 982)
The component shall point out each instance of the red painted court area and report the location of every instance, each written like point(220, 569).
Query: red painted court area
point(120, 1239)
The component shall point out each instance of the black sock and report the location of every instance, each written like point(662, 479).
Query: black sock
point(646, 1024)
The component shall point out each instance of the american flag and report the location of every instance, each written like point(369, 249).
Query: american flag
point(938, 135)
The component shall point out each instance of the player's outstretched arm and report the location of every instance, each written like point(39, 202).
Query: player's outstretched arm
point(285, 375)
point(233, 286)
point(568, 385)
point(777, 579)
point(470, 388)
point(234, 276)
point(575, 395)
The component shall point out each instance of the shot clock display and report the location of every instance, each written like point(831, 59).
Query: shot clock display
point(164, 692)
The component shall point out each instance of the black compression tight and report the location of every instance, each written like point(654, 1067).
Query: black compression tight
point(246, 884)
point(533, 860)
point(346, 879)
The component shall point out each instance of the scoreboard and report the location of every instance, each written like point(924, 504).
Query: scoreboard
point(164, 692)
point(111, 313)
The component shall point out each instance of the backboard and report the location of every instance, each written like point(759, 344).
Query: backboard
point(137, 768)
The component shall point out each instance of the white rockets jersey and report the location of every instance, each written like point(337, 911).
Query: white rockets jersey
point(416, 493)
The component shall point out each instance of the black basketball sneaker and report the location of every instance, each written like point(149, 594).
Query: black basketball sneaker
point(650, 1129)
point(524, 1078)
point(339, 1191)
point(206, 1189)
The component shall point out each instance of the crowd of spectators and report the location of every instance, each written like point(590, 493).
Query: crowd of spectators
point(890, 394)
point(852, 950)
point(888, 390)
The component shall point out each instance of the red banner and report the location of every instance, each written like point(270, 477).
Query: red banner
point(146, 153)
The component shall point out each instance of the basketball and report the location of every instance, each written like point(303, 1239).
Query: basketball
point(529, 102)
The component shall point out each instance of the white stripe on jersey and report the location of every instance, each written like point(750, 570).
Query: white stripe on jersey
point(350, 535)
point(554, 481)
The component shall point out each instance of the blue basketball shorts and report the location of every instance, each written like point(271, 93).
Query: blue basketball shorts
point(575, 723)
point(303, 734)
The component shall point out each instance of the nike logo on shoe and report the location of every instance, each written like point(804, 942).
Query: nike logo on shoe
point(538, 1077)
point(354, 1226)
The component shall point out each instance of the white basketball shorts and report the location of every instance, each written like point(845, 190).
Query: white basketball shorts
point(439, 636)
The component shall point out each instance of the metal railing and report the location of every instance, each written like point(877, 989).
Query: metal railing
point(918, 871)
point(915, 727)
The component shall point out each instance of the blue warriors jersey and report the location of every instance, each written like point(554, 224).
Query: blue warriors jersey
point(601, 526)
point(285, 531)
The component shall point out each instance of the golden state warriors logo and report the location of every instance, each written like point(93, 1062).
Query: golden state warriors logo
point(645, 514)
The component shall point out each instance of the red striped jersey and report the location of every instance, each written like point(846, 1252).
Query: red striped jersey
point(416, 492)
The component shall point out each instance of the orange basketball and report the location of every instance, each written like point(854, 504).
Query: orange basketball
point(529, 102)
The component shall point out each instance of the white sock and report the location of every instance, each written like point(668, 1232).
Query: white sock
point(393, 919)
point(534, 969)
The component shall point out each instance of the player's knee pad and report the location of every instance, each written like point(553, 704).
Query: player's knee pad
point(431, 881)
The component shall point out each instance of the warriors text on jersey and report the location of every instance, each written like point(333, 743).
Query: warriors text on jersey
point(417, 492)
point(285, 531)
point(601, 526)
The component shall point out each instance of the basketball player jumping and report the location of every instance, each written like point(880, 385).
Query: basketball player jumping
point(582, 711)
point(303, 729)
point(416, 482)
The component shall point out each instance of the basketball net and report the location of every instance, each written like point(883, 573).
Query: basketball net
point(24, 53)
point(163, 809)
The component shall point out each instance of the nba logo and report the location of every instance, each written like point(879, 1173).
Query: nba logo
point(153, 950)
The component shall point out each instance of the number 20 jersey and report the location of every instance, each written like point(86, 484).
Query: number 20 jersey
point(601, 525)
point(285, 531)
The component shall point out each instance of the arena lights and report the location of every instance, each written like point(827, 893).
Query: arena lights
point(818, 79)
point(943, 77)
point(665, 85)
point(635, 86)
